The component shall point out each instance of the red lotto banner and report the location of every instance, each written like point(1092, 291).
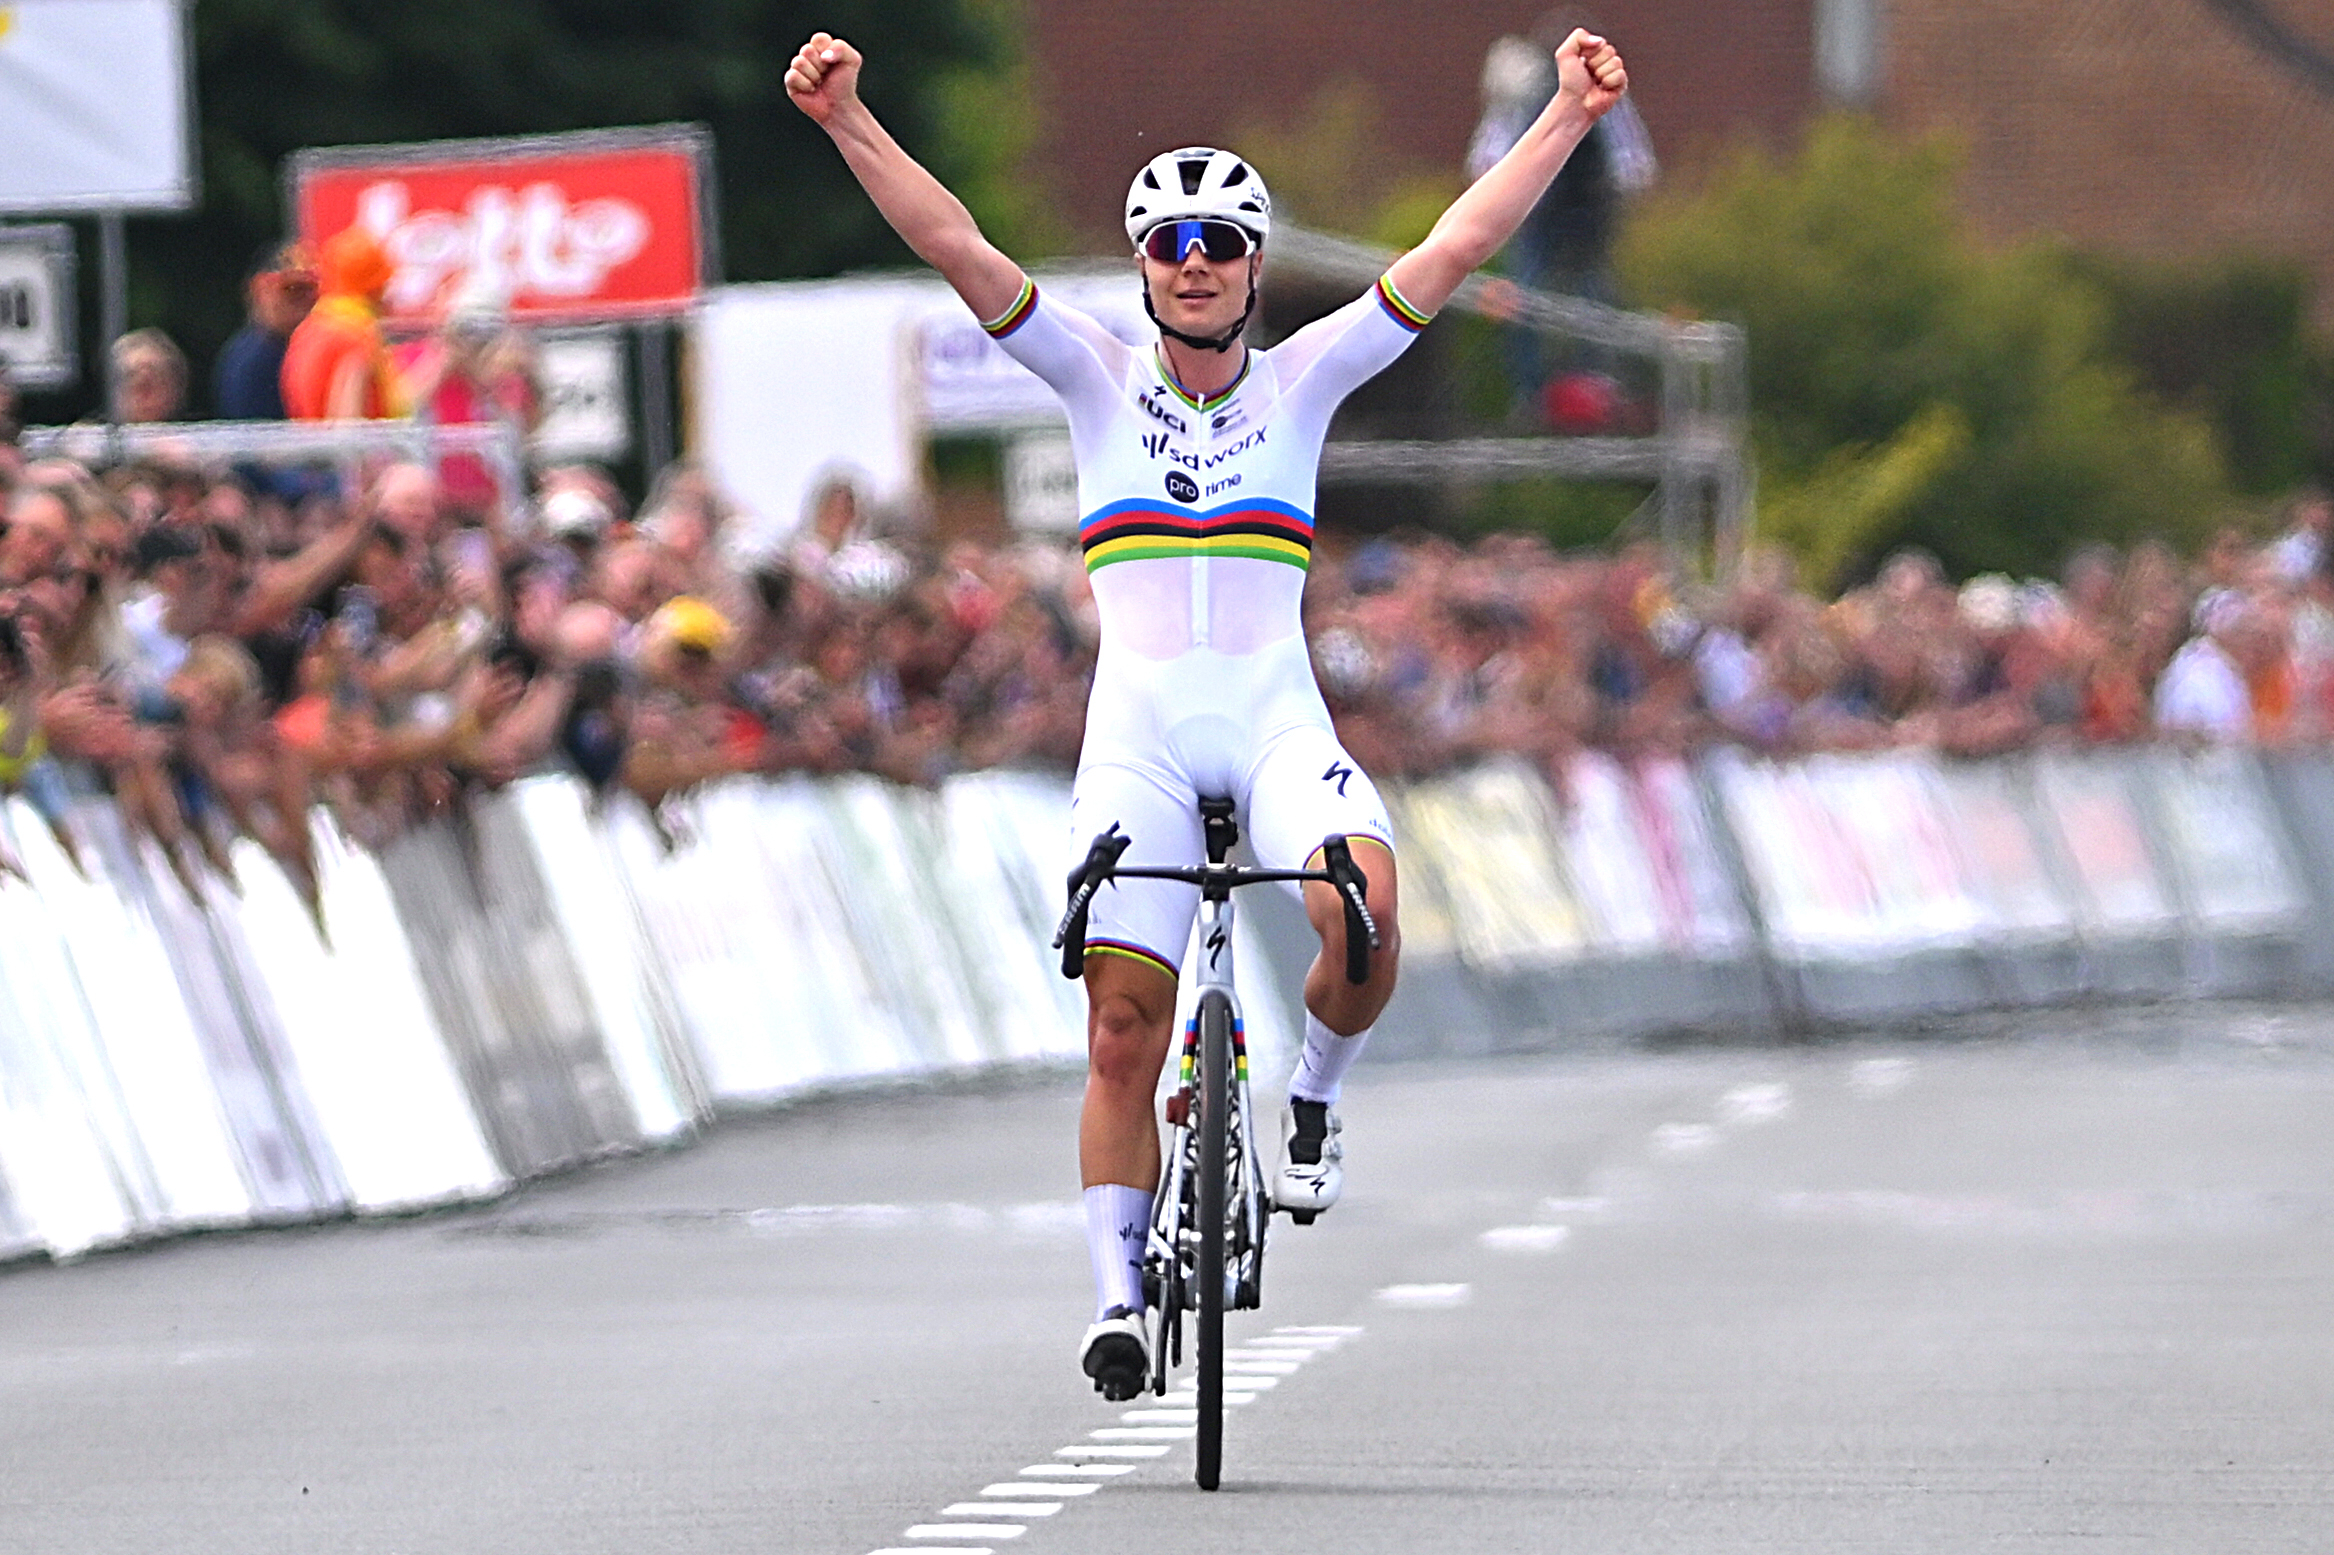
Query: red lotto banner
point(594, 226)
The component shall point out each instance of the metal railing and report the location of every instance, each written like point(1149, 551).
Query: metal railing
point(1697, 456)
point(500, 446)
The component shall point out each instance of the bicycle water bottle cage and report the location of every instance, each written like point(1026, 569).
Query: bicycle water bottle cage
point(1222, 831)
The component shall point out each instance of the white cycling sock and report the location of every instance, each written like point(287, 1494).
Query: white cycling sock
point(1321, 1072)
point(1118, 1226)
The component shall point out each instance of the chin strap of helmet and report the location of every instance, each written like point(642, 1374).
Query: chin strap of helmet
point(1228, 338)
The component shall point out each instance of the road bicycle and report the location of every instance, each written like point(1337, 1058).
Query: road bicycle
point(1210, 1210)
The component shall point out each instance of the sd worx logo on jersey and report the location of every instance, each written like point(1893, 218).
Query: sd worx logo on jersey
point(1160, 446)
point(1182, 487)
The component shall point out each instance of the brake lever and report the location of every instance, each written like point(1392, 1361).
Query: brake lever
point(1084, 881)
point(1352, 885)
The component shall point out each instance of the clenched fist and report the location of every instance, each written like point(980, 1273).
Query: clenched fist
point(824, 76)
point(1589, 70)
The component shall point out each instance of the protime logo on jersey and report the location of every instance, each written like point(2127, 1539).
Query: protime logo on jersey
point(1182, 487)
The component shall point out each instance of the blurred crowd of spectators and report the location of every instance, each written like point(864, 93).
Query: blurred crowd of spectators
point(1431, 653)
point(220, 648)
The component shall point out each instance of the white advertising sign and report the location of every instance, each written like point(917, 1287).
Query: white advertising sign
point(1041, 484)
point(586, 411)
point(794, 382)
point(969, 384)
point(37, 306)
point(94, 96)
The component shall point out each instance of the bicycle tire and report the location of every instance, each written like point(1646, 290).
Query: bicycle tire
point(1215, 1150)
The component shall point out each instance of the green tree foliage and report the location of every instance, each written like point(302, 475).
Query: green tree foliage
point(273, 76)
point(1330, 166)
point(2229, 341)
point(1909, 385)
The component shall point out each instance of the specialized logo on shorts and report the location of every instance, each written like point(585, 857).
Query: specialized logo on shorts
point(1182, 487)
point(1338, 773)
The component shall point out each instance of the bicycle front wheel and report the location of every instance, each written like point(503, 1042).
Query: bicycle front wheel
point(1215, 1151)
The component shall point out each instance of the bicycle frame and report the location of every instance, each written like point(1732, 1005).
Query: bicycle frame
point(1172, 1257)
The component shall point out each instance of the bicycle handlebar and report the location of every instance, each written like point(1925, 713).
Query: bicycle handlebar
point(1101, 865)
point(1101, 860)
point(1353, 887)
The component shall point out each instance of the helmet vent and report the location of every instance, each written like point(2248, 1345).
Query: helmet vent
point(1192, 173)
point(1150, 178)
point(1238, 175)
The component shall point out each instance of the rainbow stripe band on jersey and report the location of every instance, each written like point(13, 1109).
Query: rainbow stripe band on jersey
point(1013, 318)
point(1146, 529)
point(1398, 307)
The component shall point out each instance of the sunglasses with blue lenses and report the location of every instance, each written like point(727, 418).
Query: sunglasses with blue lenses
point(1221, 241)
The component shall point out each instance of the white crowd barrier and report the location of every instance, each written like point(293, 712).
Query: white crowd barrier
point(539, 982)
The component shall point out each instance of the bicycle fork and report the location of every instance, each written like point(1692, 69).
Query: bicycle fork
point(1173, 1257)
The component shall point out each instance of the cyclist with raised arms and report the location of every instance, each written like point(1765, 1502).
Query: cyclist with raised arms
point(1196, 466)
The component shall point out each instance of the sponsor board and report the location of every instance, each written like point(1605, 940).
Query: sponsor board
point(595, 226)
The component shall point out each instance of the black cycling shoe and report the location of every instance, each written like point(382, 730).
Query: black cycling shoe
point(1117, 1355)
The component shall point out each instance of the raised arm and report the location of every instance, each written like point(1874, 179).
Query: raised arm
point(824, 83)
point(1479, 223)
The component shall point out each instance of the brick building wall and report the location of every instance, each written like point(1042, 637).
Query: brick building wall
point(2145, 126)
point(1117, 83)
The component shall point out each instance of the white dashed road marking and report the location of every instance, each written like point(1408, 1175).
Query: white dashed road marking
point(1426, 1295)
point(1075, 1470)
point(1526, 1239)
point(1146, 1433)
point(1879, 1076)
point(1120, 1451)
point(1684, 1138)
point(1046, 1488)
point(967, 1531)
point(1762, 1103)
point(1032, 1490)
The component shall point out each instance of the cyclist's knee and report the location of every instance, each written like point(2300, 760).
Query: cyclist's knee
point(1122, 1041)
point(1129, 1014)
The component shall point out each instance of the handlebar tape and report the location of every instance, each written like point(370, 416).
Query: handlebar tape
point(1361, 930)
point(1085, 880)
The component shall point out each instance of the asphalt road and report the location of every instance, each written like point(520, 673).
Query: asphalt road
point(2054, 1284)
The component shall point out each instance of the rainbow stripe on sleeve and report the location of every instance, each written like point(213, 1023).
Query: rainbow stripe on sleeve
point(1146, 529)
point(1014, 317)
point(1398, 307)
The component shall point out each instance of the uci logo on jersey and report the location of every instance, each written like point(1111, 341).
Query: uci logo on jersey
point(1162, 415)
point(1182, 487)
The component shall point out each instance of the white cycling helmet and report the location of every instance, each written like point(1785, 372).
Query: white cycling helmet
point(1196, 183)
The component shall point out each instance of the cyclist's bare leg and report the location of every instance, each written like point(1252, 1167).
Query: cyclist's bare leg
point(1338, 1018)
point(1342, 1006)
point(1131, 1010)
point(1130, 1018)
